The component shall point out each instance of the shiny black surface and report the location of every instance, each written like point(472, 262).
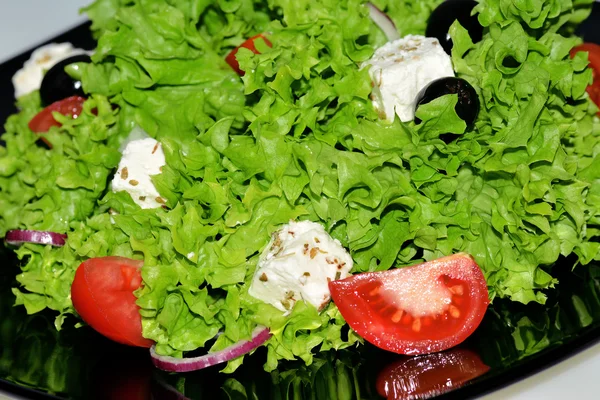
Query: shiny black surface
point(58, 85)
point(468, 100)
point(444, 16)
point(514, 340)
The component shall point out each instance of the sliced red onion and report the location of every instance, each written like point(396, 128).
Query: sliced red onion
point(17, 237)
point(384, 22)
point(172, 364)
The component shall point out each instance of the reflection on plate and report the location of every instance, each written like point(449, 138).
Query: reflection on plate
point(513, 341)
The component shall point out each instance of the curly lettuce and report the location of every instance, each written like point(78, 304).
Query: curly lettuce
point(297, 137)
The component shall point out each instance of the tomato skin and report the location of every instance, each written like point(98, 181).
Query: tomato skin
point(248, 44)
point(102, 294)
point(389, 311)
point(44, 120)
point(593, 51)
point(429, 375)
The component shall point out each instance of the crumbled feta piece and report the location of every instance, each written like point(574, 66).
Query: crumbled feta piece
point(141, 159)
point(136, 133)
point(298, 264)
point(400, 69)
point(29, 78)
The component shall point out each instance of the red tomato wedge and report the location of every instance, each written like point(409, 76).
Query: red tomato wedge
point(429, 375)
point(44, 120)
point(593, 51)
point(420, 309)
point(102, 294)
point(248, 44)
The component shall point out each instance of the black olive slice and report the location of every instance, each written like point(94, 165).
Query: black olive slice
point(444, 16)
point(467, 107)
point(58, 85)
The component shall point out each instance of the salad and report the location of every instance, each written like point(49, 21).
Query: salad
point(322, 149)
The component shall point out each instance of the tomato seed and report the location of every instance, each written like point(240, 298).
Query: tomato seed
point(374, 292)
point(454, 312)
point(416, 325)
point(397, 316)
point(457, 290)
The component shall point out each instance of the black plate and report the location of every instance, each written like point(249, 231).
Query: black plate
point(514, 340)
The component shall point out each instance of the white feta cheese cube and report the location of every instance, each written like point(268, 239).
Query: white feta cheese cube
point(29, 78)
point(298, 264)
point(141, 159)
point(400, 69)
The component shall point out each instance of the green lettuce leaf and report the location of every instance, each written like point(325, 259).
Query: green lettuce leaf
point(47, 189)
point(295, 138)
